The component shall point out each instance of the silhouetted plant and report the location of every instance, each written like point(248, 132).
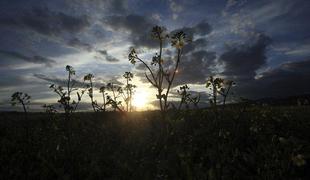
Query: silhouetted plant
point(20, 98)
point(186, 98)
point(214, 85)
point(49, 108)
point(90, 87)
point(115, 104)
point(225, 90)
point(219, 86)
point(160, 76)
point(129, 90)
point(116, 92)
point(65, 95)
point(24, 100)
point(104, 97)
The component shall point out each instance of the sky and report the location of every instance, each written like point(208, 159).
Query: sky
point(263, 45)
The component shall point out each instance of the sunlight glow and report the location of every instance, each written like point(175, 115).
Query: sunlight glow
point(140, 100)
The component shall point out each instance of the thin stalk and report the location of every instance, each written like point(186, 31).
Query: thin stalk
point(152, 74)
point(225, 96)
point(92, 94)
point(127, 91)
point(104, 103)
point(173, 75)
point(161, 76)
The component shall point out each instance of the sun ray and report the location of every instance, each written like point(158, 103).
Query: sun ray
point(140, 100)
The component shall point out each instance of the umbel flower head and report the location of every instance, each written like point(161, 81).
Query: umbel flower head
point(299, 160)
point(70, 70)
point(88, 77)
point(132, 56)
point(178, 40)
point(159, 32)
point(128, 75)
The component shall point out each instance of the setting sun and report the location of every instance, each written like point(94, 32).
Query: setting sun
point(140, 100)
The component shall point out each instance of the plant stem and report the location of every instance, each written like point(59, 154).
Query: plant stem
point(172, 78)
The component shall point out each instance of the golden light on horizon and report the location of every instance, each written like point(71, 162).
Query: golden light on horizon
point(140, 100)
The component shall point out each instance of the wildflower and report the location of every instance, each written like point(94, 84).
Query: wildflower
point(299, 160)
point(178, 40)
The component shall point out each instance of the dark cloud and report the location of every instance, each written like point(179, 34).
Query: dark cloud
point(200, 43)
point(132, 23)
point(140, 66)
point(290, 78)
point(77, 43)
point(103, 6)
point(103, 54)
point(195, 67)
point(110, 58)
point(59, 81)
point(11, 80)
point(138, 27)
point(201, 29)
point(46, 22)
point(118, 6)
point(33, 59)
point(242, 61)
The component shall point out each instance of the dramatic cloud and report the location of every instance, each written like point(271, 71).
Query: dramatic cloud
point(100, 54)
point(75, 42)
point(104, 54)
point(198, 44)
point(59, 81)
point(36, 59)
point(201, 29)
point(103, 6)
point(241, 62)
point(138, 27)
point(175, 8)
point(195, 68)
point(46, 22)
point(11, 81)
point(291, 78)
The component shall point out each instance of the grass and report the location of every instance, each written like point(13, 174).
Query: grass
point(235, 143)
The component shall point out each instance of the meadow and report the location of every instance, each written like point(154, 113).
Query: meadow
point(238, 142)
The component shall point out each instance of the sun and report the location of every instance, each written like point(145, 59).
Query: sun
point(140, 100)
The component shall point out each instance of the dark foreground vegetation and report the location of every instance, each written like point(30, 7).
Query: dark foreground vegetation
point(235, 143)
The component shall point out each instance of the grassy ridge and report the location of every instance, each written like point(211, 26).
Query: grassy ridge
point(237, 143)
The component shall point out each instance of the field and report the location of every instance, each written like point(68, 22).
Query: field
point(235, 143)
